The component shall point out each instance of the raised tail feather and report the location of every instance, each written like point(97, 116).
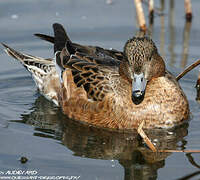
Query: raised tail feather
point(43, 70)
point(45, 37)
point(60, 37)
point(61, 40)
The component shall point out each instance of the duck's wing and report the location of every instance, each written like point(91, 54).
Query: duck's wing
point(62, 38)
point(93, 68)
point(95, 74)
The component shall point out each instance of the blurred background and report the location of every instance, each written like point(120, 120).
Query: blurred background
point(33, 127)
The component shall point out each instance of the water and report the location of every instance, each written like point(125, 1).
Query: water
point(33, 127)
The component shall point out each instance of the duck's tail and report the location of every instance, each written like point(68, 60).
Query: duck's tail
point(45, 72)
point(61, 41)
point(35, 65)
point(45, 37)
point(42, 70)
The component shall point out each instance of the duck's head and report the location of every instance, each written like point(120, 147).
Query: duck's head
point(142, 63)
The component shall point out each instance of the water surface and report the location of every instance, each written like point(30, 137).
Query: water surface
point(33, 127)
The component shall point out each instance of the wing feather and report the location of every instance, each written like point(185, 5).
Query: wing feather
point(94, 74)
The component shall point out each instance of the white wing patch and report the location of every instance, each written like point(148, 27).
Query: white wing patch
point(58, 68)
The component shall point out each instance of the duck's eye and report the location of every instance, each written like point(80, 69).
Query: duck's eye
point(142, 79)
point(150, 58)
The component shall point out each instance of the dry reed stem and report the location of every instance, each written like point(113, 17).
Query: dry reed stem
point(140, 15)
point(152, 147)
point(186, 151)
point(189, 68)
point(145, 138)
point(188, 10)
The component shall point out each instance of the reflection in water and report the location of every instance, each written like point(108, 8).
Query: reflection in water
point(189, 176)
point(198, 89)
point(192, 161)
point(162, 33)
point(151, 11)
point(45, 117)
point(150, 31)
point(171, 32)
point(186, 38)
point(90, 142)
point(137, 168)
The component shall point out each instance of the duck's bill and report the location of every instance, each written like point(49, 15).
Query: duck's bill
point(138, 88)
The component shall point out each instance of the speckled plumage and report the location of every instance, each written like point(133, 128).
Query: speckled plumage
point(96, 84)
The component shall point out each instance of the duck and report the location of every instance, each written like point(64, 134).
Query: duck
point(108, 88)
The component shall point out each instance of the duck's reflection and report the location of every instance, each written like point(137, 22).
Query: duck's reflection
point(87, 141)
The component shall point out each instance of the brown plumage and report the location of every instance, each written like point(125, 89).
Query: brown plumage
point(114, 89)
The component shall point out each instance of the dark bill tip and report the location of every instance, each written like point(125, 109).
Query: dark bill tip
point(137, 97)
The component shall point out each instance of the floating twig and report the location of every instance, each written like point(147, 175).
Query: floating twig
point(153, 148)
point(145, 138)
point(175, 150)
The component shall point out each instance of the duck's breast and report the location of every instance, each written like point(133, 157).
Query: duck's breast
point(164, 105)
